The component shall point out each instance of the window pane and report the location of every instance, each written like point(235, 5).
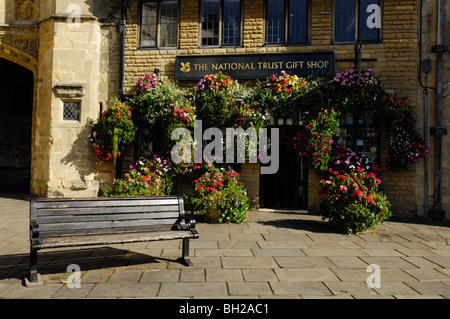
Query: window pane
point(298, 21)
point(149, 24)
point(169, 23)
point(366, 33)
point(344, 20)
point(231, 22)
point(71, 111)
point(275, 22)
point(210, 22)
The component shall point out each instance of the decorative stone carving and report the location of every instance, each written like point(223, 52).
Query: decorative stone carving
point(28, 46)
point(24, 9)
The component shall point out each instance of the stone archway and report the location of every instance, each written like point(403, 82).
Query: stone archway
point(16, 109)
point(17, 91)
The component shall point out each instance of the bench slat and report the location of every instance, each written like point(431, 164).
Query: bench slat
point(112, 217)
point(105, 231)
point(105, 210)
point(112, 239)
point(104, 203)
point(74, 226)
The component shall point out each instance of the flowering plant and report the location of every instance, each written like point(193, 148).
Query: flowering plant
point(154, 97)
point(405, 146)
point(316, 138)
point(279, 92)
point(351, 201)
point(220, 194)
point(346, 160)
point(404, 149)
point(182, 115)
point(112, 131)
point(216, 99)
point(250, 116)
point(145, 178)
point(357, 92)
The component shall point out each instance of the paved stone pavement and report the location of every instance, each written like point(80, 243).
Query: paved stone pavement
point(272, 255)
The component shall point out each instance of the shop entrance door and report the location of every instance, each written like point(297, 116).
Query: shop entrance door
point(288, 188)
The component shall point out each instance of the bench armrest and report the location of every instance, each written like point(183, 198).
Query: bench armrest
point(186, 223)
point(34, 230)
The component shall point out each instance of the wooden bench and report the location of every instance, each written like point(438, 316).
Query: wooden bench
point(71, 222)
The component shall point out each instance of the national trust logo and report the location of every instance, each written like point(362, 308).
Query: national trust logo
point(185, 67)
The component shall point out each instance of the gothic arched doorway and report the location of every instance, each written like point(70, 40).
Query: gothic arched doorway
point(16, 108)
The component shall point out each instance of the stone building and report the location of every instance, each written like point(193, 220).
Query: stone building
point(61, 61)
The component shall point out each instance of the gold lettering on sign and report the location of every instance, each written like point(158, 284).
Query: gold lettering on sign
point(232, 66)
point(201, 67)
point(317, 64)
point(294, 64)
point(270, 65)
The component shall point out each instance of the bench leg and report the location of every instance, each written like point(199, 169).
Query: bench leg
point(34, 279)
point(186, 260)
point(33, 266)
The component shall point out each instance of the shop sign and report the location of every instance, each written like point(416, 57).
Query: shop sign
point(254, 66)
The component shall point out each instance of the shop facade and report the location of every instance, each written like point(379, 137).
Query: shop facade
point(81, 53)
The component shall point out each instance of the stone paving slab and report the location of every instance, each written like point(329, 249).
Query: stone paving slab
point(272, 255)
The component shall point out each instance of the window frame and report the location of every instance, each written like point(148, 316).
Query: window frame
point(221, 22)
point(63, 111)
point(157, 46)
point(357, 36)
point(287, 25)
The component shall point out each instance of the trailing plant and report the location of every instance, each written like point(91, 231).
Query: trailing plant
point(279, 92)
point(112, 131)
point(154, 97)
point(315, 139)
point(357, 93)
point(216, 100)
point(405, 145)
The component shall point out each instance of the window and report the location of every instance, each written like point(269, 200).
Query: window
point(159, 24)
point(360, 135)
point(351, 21)
point(291, 13)
point(71, 111)
point(220, 22)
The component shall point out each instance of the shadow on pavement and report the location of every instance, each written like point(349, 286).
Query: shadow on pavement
point(316, 226)
point(53, 262)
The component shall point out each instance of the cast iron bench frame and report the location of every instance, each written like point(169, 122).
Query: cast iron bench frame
point(71, 222)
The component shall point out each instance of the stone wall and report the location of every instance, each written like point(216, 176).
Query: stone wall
point(77, 63)
point(395, 62)
point(86, 59)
